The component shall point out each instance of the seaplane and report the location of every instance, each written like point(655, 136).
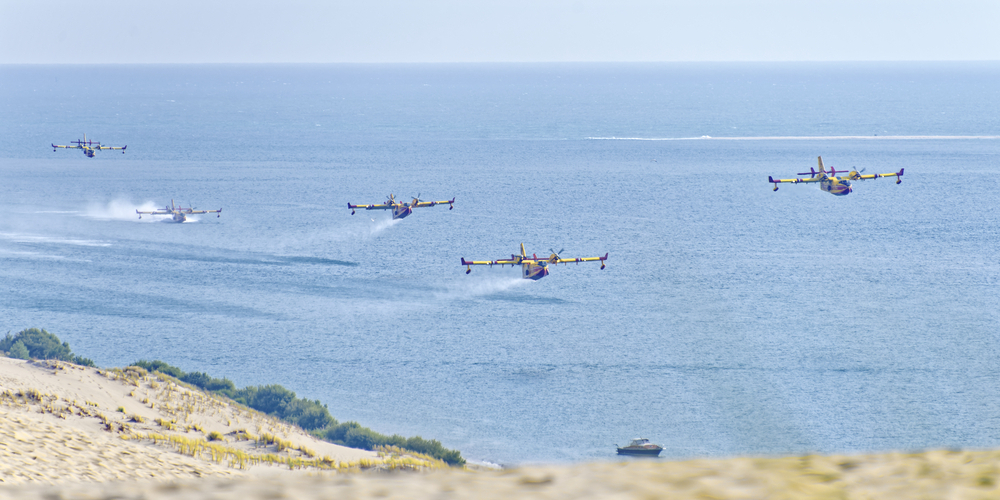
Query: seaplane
point(829, 182)
point(402, 209)
point(88, 146)
point(179, 213)
point(532, 268)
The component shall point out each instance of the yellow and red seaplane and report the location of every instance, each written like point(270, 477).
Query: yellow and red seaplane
point(829, 182)
point(88, 146)
point(402, 209)
point(532, 268)
point(179, 213)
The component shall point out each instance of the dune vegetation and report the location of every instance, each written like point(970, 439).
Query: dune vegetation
point(312, 416)
point(272, 399)
point(33, 343)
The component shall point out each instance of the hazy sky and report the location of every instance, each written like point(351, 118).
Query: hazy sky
point(200, 31)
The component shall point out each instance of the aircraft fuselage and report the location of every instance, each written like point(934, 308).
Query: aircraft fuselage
point(534, 271)
point(401, 211)
point(835, 186)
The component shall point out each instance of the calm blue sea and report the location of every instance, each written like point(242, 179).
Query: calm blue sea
point(731, 320)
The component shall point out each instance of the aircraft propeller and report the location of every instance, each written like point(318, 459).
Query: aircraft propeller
point(556, 254)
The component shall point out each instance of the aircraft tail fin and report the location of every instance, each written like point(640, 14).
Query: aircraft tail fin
point(820, 160)
point(523, 254)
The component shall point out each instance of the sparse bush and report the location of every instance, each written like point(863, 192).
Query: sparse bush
point(83, 361)
point(166, 424)
point(215, 436)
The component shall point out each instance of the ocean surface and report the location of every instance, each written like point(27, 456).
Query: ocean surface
point(731, 319)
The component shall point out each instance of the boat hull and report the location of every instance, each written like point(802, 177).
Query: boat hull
point(645, 452)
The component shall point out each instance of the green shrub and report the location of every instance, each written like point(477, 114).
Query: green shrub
point(203, 380)
point(160, 366)
point(308, 415)
point(271, 399)
point(40, 344)
point(83, 361)
point(353, 435)
point(362, 437)
point(18, 351)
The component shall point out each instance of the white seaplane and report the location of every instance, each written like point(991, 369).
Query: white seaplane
point(179, 213)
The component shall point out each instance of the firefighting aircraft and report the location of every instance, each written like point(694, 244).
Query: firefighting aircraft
point(532, 268)
point(89, 147)
point(402, 209)
point(178, 213)
point(829, 182)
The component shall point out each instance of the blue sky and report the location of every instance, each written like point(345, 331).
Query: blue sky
point(263, 31)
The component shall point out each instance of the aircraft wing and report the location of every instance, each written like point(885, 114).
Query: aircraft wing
point(204, 211)
point(580, 259)
point(154, 212)
point(432, 203)
point(876, 176)
point(371, 207)
point(67, 147)
point(109, 147)
point(477, 262)
point(500, 262)
point(857, 176)
point(793, 181)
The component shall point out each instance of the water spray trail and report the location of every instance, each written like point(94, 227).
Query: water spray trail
point(120, 210)
point(479, 288)
point(381, 225)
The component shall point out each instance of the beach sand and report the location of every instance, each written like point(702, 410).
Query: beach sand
point(62, 436)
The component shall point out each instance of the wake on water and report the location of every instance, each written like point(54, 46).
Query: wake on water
point(479, 287)
point(54, 240)
point(374, 228)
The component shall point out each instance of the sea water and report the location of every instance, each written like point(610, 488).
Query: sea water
point(731, 319)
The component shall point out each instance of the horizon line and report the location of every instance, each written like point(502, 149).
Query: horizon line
point(802, 138)
point(797, 61)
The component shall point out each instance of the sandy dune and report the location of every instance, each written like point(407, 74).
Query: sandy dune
point(63, 422)
point(62, 436)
